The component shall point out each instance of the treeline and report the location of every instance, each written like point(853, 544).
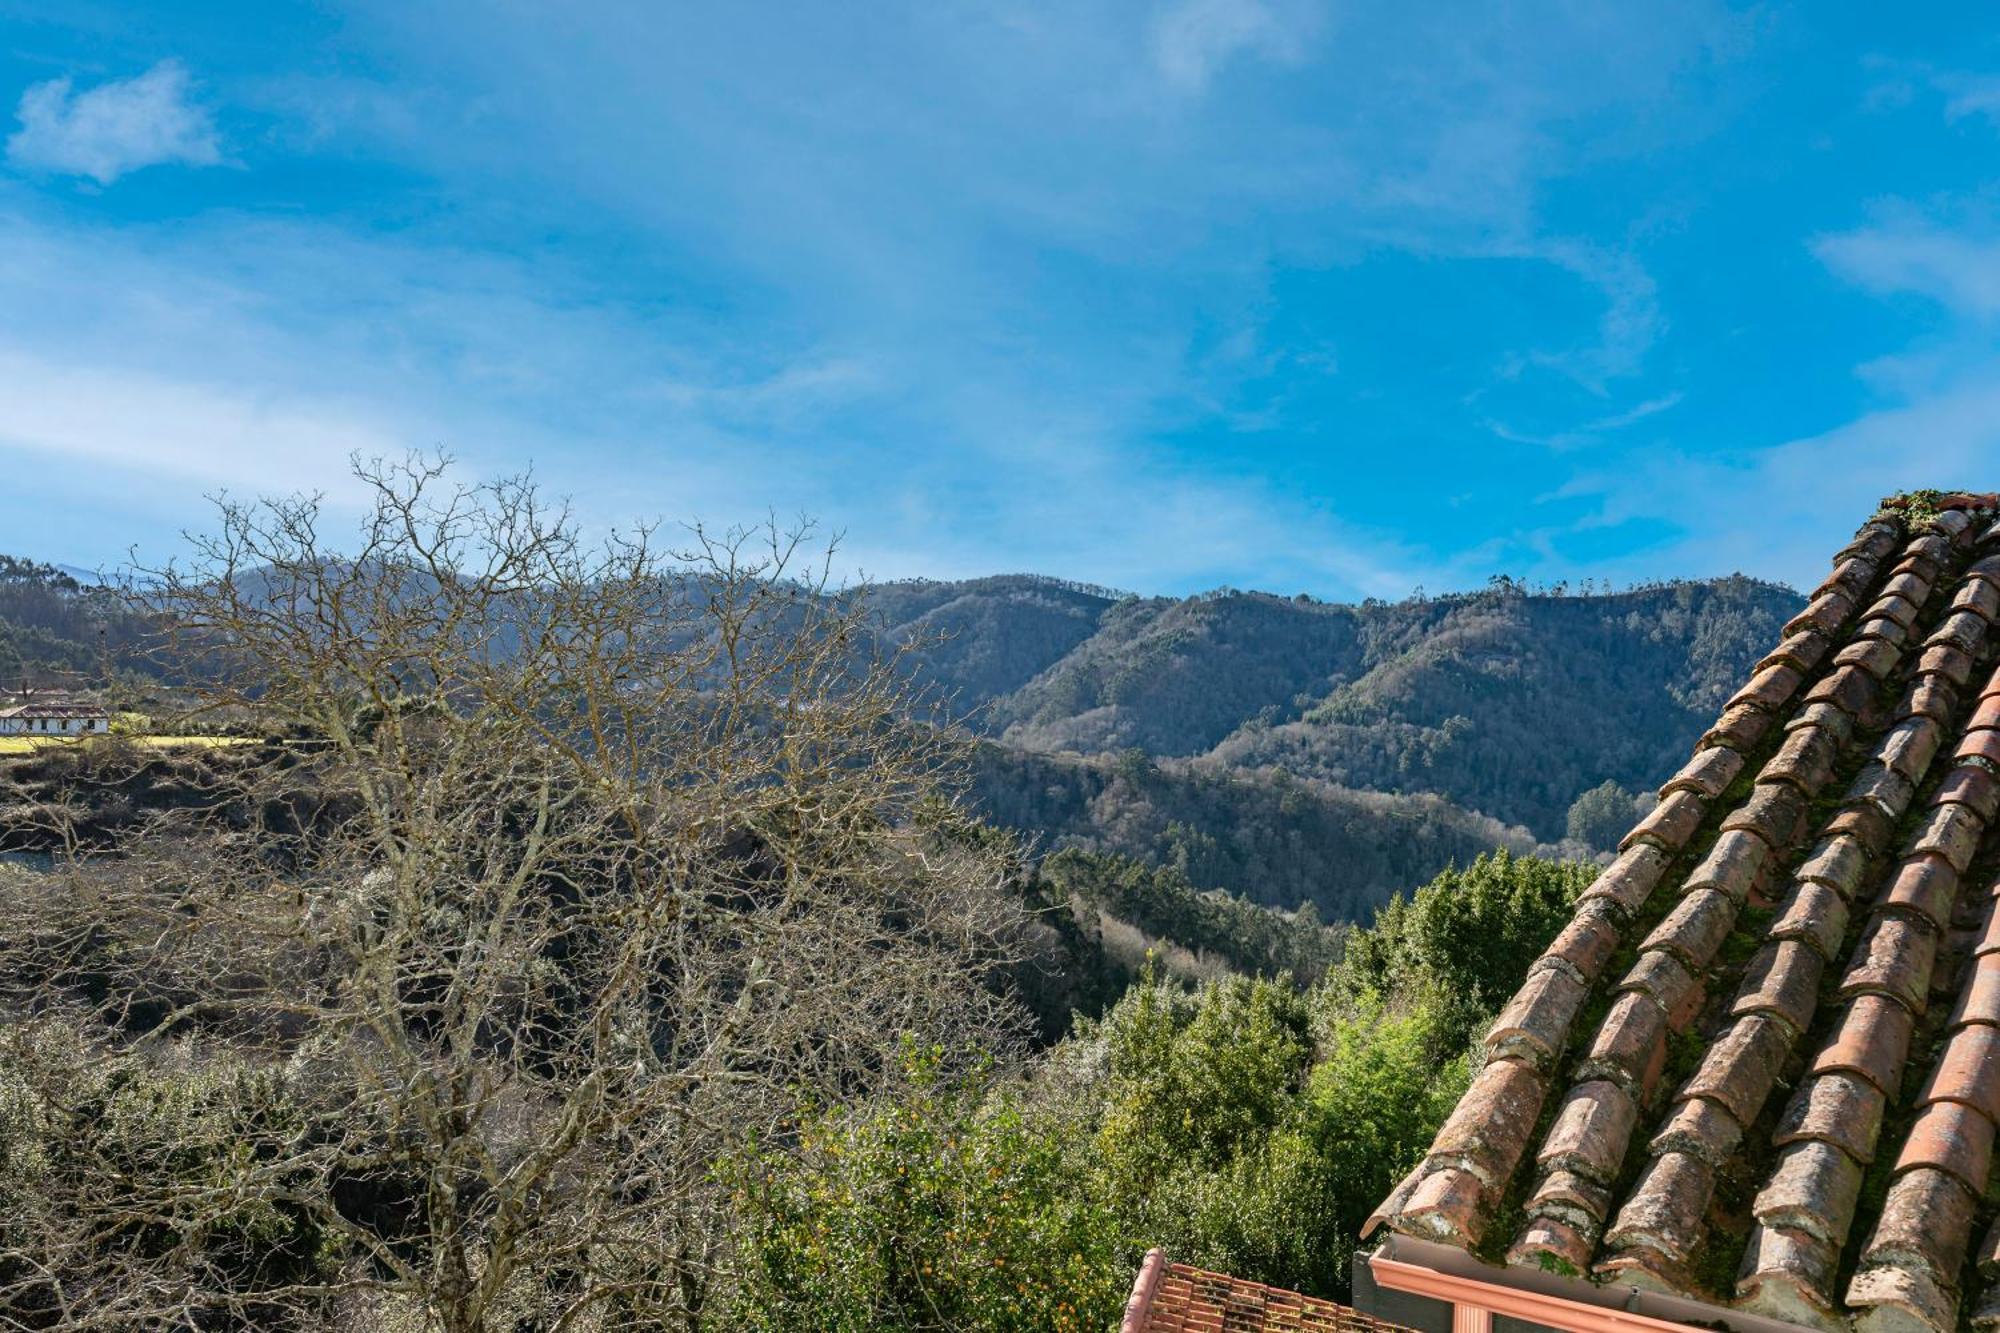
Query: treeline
point(1299, 752)
point(1278, 840)
point(54, 627)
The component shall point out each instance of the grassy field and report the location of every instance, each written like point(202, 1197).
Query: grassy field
point(30, 744)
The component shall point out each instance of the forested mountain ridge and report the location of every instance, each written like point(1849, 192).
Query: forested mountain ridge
point(1507, 702)
point(1287, 749)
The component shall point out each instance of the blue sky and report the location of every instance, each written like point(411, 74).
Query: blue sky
point(1332, 297)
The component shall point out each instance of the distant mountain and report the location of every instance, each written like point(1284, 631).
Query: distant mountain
point(1504, 701)
point(1291, 750)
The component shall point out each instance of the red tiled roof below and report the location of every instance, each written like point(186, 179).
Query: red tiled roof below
point(1174, 1298)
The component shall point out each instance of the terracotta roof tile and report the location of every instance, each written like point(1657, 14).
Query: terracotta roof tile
point(1893, 959)
point(1176, 1298)
point(1707, 774)
point(1814, 914)
point(1979, 1001)
point(1968, 1071)
point(1628, 882)
point(1738, 857)
point(1695, 929)
point(1591, 1130)
point(1701, 1127)
point(1871, 1039)
point(1951, 1137)
point(1585, 944)
point(1772, 811)
point(1813, 1189)
point(1536, 1022)
point(1664, 1210)
point(1885, 913)
point(1842, 1109)
point(1926, 1225)
point(1669, 824)
point(1489, 1130)
point(1971, 786)
point(1788, 1273)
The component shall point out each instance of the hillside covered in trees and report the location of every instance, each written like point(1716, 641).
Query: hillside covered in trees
point(1306, 752)
point(1296, 751)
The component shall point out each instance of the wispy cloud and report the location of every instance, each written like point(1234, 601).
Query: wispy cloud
point(114, 128)
point(1193, 39)
point(1910, 254)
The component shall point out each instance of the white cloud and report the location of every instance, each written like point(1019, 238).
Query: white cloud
point(1192, 39)
point(114, 128)
point(1952, 268)
point(199, 435)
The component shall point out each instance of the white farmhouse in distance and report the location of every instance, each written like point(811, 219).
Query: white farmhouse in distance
point(60, 716)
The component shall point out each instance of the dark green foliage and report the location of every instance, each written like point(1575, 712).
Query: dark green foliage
point(1602, 816)
point(986, 638)
point(1277, 840)
point(54, 627)
point(1512, 704)
point(942, 1209)
point(1176, 677)
point(1243, 1125)
point(1469, 935)
point(1212, 924)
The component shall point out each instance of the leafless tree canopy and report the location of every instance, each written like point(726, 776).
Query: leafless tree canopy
point(577, 866)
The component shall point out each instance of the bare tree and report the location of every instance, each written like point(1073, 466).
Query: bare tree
point(577, 867)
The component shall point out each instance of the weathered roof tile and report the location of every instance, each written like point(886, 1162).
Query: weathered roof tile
point(1979, 1001)
point(1893, 959)
point(1926, 1223)
point(1664, 1210)
point(1630, 1042)
point(1949, 831)
point(1968, 1071)
point(1871, 1039)
point(1951, 1137)
point(1813, 1189)
point(1927, 886)
point(1842, 1109)
point(1772, 688)
point(1585, 944)
point(1708, 774)
point(1670, 823)
point(1814, 914)
point(1788, 1274)
point(1489, 1129)
point(1741, 1065)
point(1974, 787)
point(1626, 883)
point(1782, 980)
point(1733, 863)
point(1536, 1022)
point(1869, 683)
point(1773, 811)
point(1700, 1126)
point(1697, 926)
point(1837, 862)
point(1591, 1130)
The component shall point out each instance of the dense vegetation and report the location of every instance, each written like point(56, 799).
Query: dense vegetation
point(645, 978)
point(1245, 1124)
point(1277, 839)
point(1243, 1121)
